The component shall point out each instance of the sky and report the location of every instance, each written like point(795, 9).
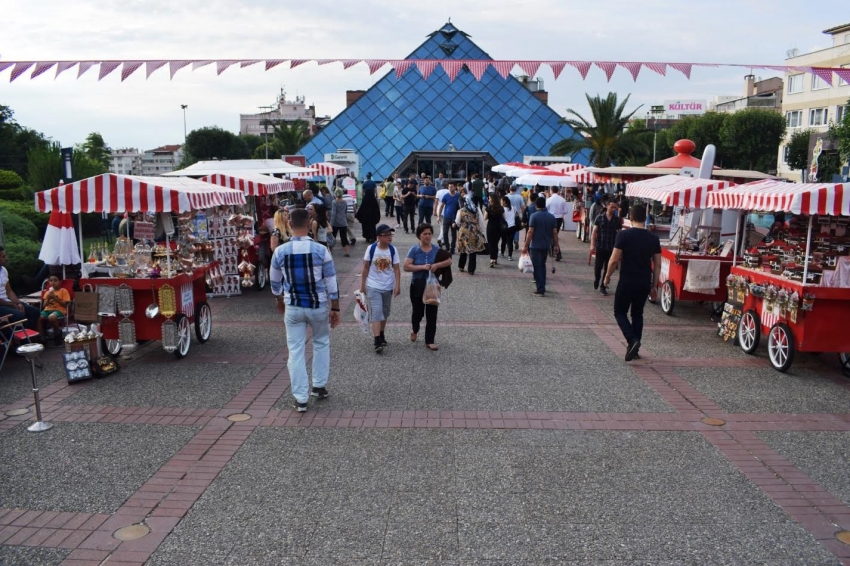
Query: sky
point(147, 113)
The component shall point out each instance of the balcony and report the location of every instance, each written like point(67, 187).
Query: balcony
point(766, 102)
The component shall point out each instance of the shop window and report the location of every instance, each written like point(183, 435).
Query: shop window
point(795, 84)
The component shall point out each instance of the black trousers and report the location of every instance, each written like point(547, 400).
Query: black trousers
point(473, 261)
point(630, 297)
point(341, 233)
point(601, 266)
point(399, 213)
point(494, 233)
point(420, 309)
point(409, 213)
point(388, 206)
point(508, 240)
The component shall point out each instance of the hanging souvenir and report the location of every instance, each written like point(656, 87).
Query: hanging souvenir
point(808, 302)
point(782, 300)
point(127, 332)
point(169, 336)
point(106, 300)
point(167, 301)
point(124, 300)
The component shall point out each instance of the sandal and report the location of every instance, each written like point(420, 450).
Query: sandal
point(432, 347)
point(413, 336)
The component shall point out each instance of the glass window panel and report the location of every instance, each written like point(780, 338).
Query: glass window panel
point(371, 111)
point(370, 129)
point(390, 130)
point(477, 121)
point(425, 166)
point(444, 167)
point(429, 112)
point(523, 112)
point(428, 131)
point(427, 93)
point(399, 140)
point(418, 141)
point(474, 166)
point(458, 169)
point(479, 142)
point(410, 112)
point(409, 131)
point(487, 130)
point(392, 113)
point(419, 121)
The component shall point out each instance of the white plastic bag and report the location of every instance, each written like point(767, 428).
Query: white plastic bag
point(432, 293)
point(524, 264)
point(361, 312)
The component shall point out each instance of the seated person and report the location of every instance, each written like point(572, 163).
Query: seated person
point(10, 304)
point(54, 307)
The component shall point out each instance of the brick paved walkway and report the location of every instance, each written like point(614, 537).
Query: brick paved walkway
point(525, 440)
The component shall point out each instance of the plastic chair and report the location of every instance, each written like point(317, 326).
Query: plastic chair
point(18, 334)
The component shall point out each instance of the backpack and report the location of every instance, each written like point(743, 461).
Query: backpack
point(374, 246)
point(383, 193)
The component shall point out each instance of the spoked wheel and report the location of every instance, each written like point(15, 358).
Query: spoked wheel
point(261, 273)
point(113, 347)
point(184, 336)
point(780, 347)
point(203, 322)
point(667, 298)
point(749, 332)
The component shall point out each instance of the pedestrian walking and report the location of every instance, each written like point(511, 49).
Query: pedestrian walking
point(508, 228)
point(495, 217)
point(470, 237)
point(427, 196)
point(304, 283)
point(637, 253)
point(408, 198)
point(369, 214)
point(387, 189)
point(605, 230)
point(380, 281)
point(319, 224)
point(350, 211)
point(542, 235)
point(420, 261)
point(447, 211)
point(339, 220)
point(398, 203)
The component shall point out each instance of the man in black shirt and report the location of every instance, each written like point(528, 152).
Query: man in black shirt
point(605, 229)
point(638, 254)
point(408, 200)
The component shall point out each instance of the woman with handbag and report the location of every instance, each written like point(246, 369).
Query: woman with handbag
point(495, 216)
point(508, 228)
point(470, 238)
point(421, 262)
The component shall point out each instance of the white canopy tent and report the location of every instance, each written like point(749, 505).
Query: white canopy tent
point(236, 167)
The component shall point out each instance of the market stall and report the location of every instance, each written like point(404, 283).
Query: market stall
point(170, 277)
point(329, 172)
point(694, 264)
point(795, 289)
point(550, 178)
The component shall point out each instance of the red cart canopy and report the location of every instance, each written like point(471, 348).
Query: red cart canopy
point(674, 190)
point(251, 184)
point(796, 198)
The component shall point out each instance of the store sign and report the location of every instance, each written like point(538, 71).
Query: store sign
point(678, 107)
point(143, 231)
point(298, 160)
point(341, 157)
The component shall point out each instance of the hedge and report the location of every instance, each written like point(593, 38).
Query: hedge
point(22, 261)
point(12, 194)
point(27, 210)
point(17, 225)
point(10, 179)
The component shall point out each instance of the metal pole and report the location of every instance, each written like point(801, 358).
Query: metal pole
point(185, 136)
point(31, 352)
point(808, 249)
point(654, 135)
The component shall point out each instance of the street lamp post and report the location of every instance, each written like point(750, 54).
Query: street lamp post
point(266, 127)
point(185, 152)
point(654, 111)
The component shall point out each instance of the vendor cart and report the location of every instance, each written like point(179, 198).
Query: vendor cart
point(675, 285)
point(174, 299)
point(801, 302)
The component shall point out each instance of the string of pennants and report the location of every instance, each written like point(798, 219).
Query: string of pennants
point(452, 67)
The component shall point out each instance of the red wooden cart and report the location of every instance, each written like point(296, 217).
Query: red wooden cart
point(674, 274)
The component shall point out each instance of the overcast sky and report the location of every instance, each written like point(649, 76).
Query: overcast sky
point(146, 113)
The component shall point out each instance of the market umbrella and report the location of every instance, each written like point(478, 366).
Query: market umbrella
point(546, 178)
point(505, 167)
point(59, 246)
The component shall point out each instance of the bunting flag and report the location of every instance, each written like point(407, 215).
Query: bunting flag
point(426, 67)
point(198, 64)
point(129, 68)
point(5, 65)
point(41, 67)
point(20, 69)
point(325, 61)
point(107, 67)
point(84, 66)
point(608, 66)
point(273, 63)
point(348, 63)
point(222, 66)
point(151, 66)
point(823, 73)
point(400, 66)
point(684, 68)
point(583, 67)
point(174, 66)
point(248, 63)
point(375, 65)
point(530, 67)
point(843, 74)
point(633, 68)
point(660, 68)
point(504, 68)
point(62, 67)
point(557, 67)
point(452, 67)
point(477, 68)
point(295, 62)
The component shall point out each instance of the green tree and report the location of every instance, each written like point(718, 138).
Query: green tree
point(10, 180)
point(841, 132)
point(216, 143)
point(604, 137)
point(252, 141)
point(292, 135)
point(15, 142)
point(750, 139)
point(96, 149)
point(44, 167)
point(702, 130)
point(275, 147)
point(798, 149)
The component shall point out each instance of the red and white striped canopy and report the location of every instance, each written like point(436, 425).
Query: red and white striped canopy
point(545, 178)
point(565, 167)
point(125, 193)
point(774, 196)
point(324, 169)
point(674, 190)
point(505, 167)
point(251, 184)
point(582, 176)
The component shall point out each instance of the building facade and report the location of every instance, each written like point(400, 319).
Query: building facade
point(125, 161)
point(810, 102)
point(762, 94)
point(505, 117)
point(282, 111)
point(162, 160)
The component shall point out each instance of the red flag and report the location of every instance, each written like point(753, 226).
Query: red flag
point(452, 67)
point(477, 68)
point(504, 68)
point(557, 67)
point(426, 66)
point(401, 66)
point(581, 66)
point(375, 65)
point(608, 66)
point(633, 68)
point(529, 67)
point(129, 68)
point(684, 68)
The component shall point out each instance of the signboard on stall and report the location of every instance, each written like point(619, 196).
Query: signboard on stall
point(143, 230)
point(298, 160)
point(201, 228)
point(350, 186)
point(731, 319)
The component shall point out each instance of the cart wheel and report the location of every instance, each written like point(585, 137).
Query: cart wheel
point(262, 275)
point(749, 332)
point(780, 347)
point(184, 335)
point(113, 347)
point(667, 298)
point(844, 358)
point(203, 322)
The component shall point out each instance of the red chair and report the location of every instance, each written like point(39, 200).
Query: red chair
point(19, 334)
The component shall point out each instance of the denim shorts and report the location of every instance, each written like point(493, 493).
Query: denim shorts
point(379, 304)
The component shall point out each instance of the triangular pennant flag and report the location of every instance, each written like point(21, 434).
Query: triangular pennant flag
point(504, 68)
point(608, 66)
point(326, 61)
point(799, 69)
point(780, 68)
point(477, 68)
point(375, 65)
point(557, 67)
point(19, 69)
point(222, 66)
point(107, 67)
point(198, 64)
point(633, 68)
point(684, 68)
point(844, 74)
point(583, 67)
point(529, 67)
point(151, 66)
point(41, 67)
point(5, 65)
point(824, 73)
point(63, 66)
point(129, 68)
point(270, 63)
point(248, 63)
point(400, 66)
point(295, 62)
point(426, 67)
point(452, 67)
point(174, 66)
point(84, 66)
point(660, 68)
point(348, 63)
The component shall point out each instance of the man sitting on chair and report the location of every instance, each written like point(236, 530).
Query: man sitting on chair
point(10, 304)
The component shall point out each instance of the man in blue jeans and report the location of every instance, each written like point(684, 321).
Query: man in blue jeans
point(304, 282)
point(427, 198)
point(542, 233)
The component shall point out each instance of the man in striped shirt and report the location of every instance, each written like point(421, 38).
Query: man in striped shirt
point(304, 282)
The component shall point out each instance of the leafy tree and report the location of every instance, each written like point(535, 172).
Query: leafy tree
point(15, 142)
point(45, 170)
point(96, 149)
point(841, 132)
point(702, 130)
point(292, 135)
point(276, 149)
point(604, 137)
point(216, 143)
point(798, 149)
point(750, 139)
point(252, 141)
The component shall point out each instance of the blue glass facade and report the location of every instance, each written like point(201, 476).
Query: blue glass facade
point(398, 116)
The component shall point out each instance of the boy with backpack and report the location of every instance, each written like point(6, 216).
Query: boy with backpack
point(380, 281)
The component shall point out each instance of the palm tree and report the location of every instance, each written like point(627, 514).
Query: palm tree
point(605, 137)
point(292, 135)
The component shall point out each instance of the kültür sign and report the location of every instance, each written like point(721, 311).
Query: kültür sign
point(677, 107)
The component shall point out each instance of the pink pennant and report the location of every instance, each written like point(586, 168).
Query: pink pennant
point(633, 68)
point(660, 68)
point(684, 68)
point(426, 67)
point(19, 69)
point(608, 66)
point(295, 62)
point(843, 74)
point(824, 73)
point(504, 68)
point(222, 66)
point(401, 66)
point(557, 67)
point(5, 65)
point(348, 63)
point(477, 68)
point(84, 66)
point(107, 67)
point(41, 67)
point(248, 63)
point(375, 65)
point(452, 67)
point(198, 64)
point(271, 63)
point(63, 66)
point(583, 67)
point(529, 67)
point(174, 66)
point(151, 66)
point(129, 68)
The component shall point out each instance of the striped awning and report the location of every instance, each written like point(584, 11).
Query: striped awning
point(796, 198)
point(125, 193)
point(324, 169)
point(251, 184)
point(673, 190)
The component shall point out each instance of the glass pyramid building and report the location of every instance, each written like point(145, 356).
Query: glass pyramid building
point(397, 116)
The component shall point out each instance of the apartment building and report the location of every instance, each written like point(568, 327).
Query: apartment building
point(283, 110)
point(762, 94)
point(810, 102)
point(125, 161)
point(162, 160)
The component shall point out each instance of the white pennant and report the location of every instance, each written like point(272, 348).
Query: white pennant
point(63, 66)
point(41, 67)
point(151, 66)
point(198, 64)
point(84, 66)
point(129, 68)
point(174, 66)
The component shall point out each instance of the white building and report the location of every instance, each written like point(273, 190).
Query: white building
point(283, 110)
point(809, 101)
point(125, 161)
point(162, 160)
point(762, 94)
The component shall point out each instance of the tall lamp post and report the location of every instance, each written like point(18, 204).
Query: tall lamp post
point(654, 112)
point(185, 137)
point(266, 127)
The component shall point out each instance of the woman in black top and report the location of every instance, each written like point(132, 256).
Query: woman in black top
point(495, 216)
